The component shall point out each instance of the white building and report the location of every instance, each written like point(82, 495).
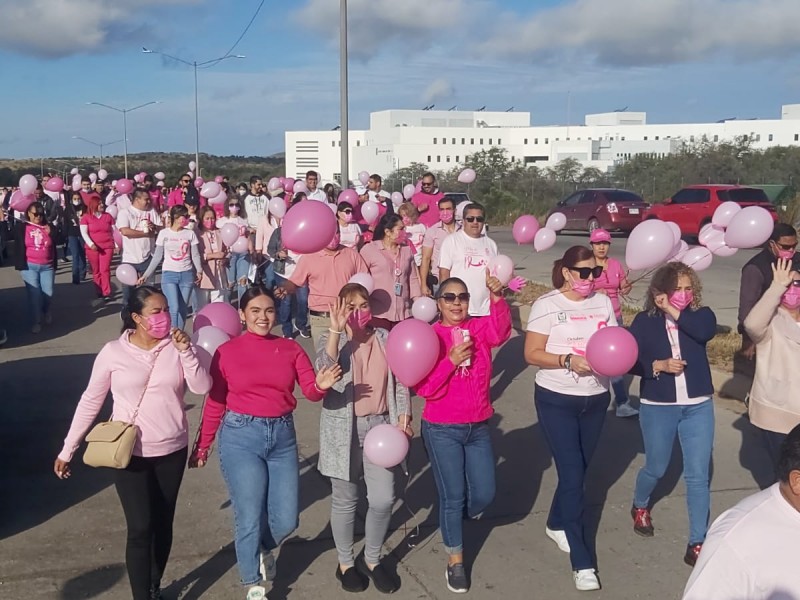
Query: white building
point(443, 139)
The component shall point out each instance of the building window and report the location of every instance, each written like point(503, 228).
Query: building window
point(557, 139)
point(472, 141)
point(458, 159)
point(444, 140)
point(333, 144)
point(454, 141)
point(499, 142)
point(770, 137)
point(546, 140)
point(691, 138)
point(623, 138)
point(535, 140)
point(439, 159)
point(657, 138)
point(797, 137)
point(758, 137)
point(645, 138)
point(716, 138)
point(434, 141)
point(463, 141)
point(447, 158)
point(340, 144)
point(358, 142)
point(481, 141)
point(526, 141)
point(429, 158)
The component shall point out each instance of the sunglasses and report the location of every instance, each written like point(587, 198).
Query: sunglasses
point(795, 283)
point(450, 297)
point(473, 219)
point(584, 272)
point(184, 181)
point(37, 214)
point(786, 246)
point(347, 211)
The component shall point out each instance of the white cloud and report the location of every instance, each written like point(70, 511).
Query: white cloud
point(439, 89)
point(56, 28)
point(651, 32)
point(372, 24)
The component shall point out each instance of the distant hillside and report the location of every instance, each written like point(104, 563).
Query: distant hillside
point(173, 164)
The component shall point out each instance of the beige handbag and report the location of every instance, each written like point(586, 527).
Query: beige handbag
point(110, 444)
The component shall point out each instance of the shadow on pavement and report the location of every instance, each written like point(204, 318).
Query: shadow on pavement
point(193, 585)
point(93, 584)
point(753, 454)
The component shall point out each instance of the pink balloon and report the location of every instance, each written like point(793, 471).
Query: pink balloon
point(409, 191)
point(412, 350)
point(308, 227)
point(724, 213)
point(274, 184)
point(698, 257)
point(220, 315)
point(467, 176)
point(650, 244)
point(138, 178)
point(300, 187)
point(54, 184)
point(676, 232)
point(103, 174)
point(363, 177)
point(124, 186)
point(749, 228)
point(683, 247)
point(117, 237)
point(192, 165)
point(397, 198)
point(556, 221)
point(385, 446)
point(710, 232)
point(350, 196)
point(210, 189)
point(160, 176)
point(723, 250)
point(424, 309)
point(127, 275)
point(92, 177)
point(218, 179)
point(364, 279)
point(219, 198)
point(240, 246)
point(28, 184)
point(20, 202)
point(76, 186)
point(525, 228)
point(74, 171)
point(229, 234)
point(544, 239)
point(370, 212)
point(207, 340)
point(199, 182)
point(502, 267)
point(611, 351)
point(288, 185)
point(277, 207)
point(113, 210)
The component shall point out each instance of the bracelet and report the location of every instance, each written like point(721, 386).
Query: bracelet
point(656, 372)
point(560, 360)
point(568, 362)
point(334, 331)
point(319, 389)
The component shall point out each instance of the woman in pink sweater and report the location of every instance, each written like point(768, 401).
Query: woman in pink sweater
point(251, 403)
point(147, 370)
point(455, 421)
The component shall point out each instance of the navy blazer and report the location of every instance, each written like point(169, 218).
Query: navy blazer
point(695, 329)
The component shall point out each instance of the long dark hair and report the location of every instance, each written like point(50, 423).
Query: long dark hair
point(387, 222)
point(40, 207)
point(571, 258)
point(254, 292)
point(135, 305)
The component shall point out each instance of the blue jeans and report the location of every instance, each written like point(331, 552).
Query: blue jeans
point(571, 427)
point(620, 388)
point(258, 456)
point(78, 253)
point(694, 427)
point(300, 298)
point(140, 270)
point(177, 287)
point(238, 267)
point(462, 461)
point(39, 280)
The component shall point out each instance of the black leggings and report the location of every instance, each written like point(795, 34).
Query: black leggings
point(148, 491)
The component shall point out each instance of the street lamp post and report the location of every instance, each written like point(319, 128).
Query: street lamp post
point(194, 64)
point(343, 97)
point(99, 145)
point(124, 112)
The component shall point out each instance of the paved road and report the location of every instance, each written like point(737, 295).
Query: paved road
point(64, 540)
point(720, 281)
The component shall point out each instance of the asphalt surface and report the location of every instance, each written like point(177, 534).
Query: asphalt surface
point(65, 540)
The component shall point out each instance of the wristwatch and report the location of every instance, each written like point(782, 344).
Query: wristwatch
point(568, 362)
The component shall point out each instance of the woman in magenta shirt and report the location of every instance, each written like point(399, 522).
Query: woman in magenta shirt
point(455, 421)
point(97, 229)
point(36, 261)
point(251, 404)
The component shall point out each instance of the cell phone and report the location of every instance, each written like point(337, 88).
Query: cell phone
point(461, 336)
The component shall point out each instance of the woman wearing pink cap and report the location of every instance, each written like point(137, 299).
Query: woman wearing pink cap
point(613, 282)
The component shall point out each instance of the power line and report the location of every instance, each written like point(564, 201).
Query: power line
point(241, 37)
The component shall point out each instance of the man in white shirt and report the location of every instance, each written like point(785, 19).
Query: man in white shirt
point(751, 550)
point(314, 193)
point(375, 191)
point(466, 254)
point(138, 224)
point(255, 203)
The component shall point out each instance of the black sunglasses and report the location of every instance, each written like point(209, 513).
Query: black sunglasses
point(795, 282)
point(473, 219)
point(348, 211)
point(786, 246)
point(450, 297)
point(184, 181)
point(37, 214)
point(584, 272)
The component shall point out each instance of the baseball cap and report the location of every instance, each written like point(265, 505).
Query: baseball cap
point(599, 235)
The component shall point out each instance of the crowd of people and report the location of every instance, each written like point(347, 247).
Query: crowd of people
point(421, 247)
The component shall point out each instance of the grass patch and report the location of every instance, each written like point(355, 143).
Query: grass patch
point(720, 350)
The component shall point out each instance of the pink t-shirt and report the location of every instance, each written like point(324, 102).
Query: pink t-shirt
point(326, 273)
point(434, 236)
point(430, 216)
point(610, 281)
point(38, 245)
point(100, 229)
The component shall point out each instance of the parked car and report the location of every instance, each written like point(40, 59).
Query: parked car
point(611, 209)
point(693, 206)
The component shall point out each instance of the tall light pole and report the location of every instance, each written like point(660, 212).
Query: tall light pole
point(343, 100)
point(124, 112)
point(99, 145)
point(194, 64)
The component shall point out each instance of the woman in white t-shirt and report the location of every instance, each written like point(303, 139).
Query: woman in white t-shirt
point(239, 262)
point(349, 231)
point(571, 401)
point(177, 246)
point(414, 230)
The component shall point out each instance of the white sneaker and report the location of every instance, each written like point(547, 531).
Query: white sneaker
point(586, 580)
point(266, 565)
point(257, 593)
point(559, 537)
point(626, 410)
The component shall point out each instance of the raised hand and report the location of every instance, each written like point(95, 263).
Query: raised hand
point(339, 313)
point(328, 376)
point(782, 272)
point(180, 339)
point(493, 284)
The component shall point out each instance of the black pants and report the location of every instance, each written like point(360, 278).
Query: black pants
point(148, 491)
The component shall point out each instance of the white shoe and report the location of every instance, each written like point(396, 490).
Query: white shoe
point(626, 410)
point(586, 580)
point(266, 565)
point(559, 537)
point(257, 592)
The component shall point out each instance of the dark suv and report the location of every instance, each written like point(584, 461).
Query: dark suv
point(611, 209)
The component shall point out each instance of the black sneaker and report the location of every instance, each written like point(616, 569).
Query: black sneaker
point(155, 593)
point(352, 580)
point(692, 554)
point(382, 581)
point(304, 333)
point(456, 577)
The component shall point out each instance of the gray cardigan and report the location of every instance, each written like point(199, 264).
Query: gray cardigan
point(337, 419)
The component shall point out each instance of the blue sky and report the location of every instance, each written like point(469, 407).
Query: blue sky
point(678, 60)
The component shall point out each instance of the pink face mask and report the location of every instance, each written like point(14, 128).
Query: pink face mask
point(446, 216)
point(584, 287)
point(402, 237)
point(359, 319)
point(183, 221)
point(234, 209)
point(158, 325)
point(786, 254)
point(407, 221)
point(791, 298)
point(347, 217)
point(681, 299)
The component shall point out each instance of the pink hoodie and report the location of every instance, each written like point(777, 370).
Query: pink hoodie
point(453, 396)
point(123, 368)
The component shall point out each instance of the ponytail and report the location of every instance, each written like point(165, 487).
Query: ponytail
point(558, 275)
